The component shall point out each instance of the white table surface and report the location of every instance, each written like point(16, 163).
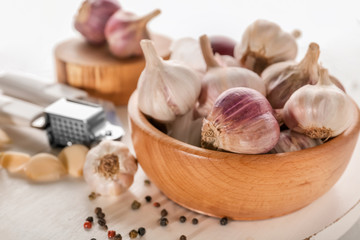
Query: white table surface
point(30, 29)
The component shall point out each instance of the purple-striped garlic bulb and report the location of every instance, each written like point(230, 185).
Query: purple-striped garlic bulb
point(240, 121)
point(92, 17)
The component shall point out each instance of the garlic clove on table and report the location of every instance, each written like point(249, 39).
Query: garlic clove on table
point(14, 162)
point(73, 157)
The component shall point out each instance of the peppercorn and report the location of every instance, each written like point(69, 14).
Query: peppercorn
point(182, 237)
point(93, 239)
point(111, 234)
point(164, 221)
point(90, 219)
point(87, 225)
point(98, 210)
point(135, 205)
point(156, 204)
point(141, 231)
point(100, 215)
point(105, 227)
point(148, 199)
point(102, 222)
point(182, 219)
point(223, 221)
point(118, 237)
point(164, 213)
point(195, 221)
point(147, 182)
point(93, 195)
point(133, 234)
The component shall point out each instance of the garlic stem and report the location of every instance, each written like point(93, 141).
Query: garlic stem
point(324, 78)
point(312, 56)
point(150, 54)
point(145, 19)
point(208, 52)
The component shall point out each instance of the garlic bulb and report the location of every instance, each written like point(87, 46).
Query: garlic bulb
point(218, 79)
point(291, 141)
point(109, 168)
point(124, 31)
point(319, 111)
point(264, 43)
point(226, 60)
point(92, 17)
point(222, 45)
point(284, 78)
point(166, 89)
point(241, 121)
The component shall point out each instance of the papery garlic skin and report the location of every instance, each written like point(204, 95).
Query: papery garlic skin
point(166, 89)
point(319, 111)
point(124, 31)
point(92, 17)
point(264, 43)
point(291, 141)
point(226, 60)
point(109, 168)
point(241, 121)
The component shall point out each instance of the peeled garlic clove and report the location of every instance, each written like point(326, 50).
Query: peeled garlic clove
point(222, 45)
point(241, 121)
point(283, 79)
point(319, 111)
point(92, 17)
point(264, 43)
point(124, 31)
point(291, 141)
point(4, 138)
point(218, 79)
point(166, 89)
point(73, 157)
point(109, 168)
point(44, 167)
point(14, 162)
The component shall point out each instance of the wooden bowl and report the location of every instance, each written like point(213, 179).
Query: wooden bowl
point(241, 187)
point(98, 72)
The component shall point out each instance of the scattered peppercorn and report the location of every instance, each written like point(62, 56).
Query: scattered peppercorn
point(182, 237)
point(156, 204)
point(133, 234)
point(164, 213)
point(102, 222)
point(93, 239)
point(164, 222)
point(148, 199)
point(195, 221)
point(100, 215)
point(135, 205)
point(223, 221)
point(90, 219)
point(98, 210)
point(182, 219)
point(93, 195)
point(118, 237)
point(111, 234)
point(147, 182)
point(141, 231)
point(105, 227)
point(87, 225)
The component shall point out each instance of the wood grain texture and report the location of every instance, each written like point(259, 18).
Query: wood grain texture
point(241, 187)
point(102, 75)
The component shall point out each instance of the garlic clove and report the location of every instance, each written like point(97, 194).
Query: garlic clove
point(283, 79)
point(124, 31)
point(319, 111)
point(241, 121)
point(92, 17)
point(218, 79)
point(44, 167)
point(109, 168)
point(14, 162)
point(73, 157)
point(222, 45)
point(166, 88)
point(226, 60)
point(264, 43)
point(291, 141)
point(4, 138)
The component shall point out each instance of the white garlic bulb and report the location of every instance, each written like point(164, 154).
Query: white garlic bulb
point(166, 88)
point(264, 43)
point(109, 168)
point(319, 111)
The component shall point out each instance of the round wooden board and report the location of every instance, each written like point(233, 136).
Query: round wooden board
point(102, 75)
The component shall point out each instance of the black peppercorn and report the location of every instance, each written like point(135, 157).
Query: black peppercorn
point(102, 222)
point(182, 219)
point(133, 234)
point(195, 221)
point(105, 227)
point(148, 199)
point(223, 221)
point(164, 221)
point(98, 210)
point(182, 237)
point(89, 219)
point(93, 239)
point(141, 231)
point(147, 182)
point(100, 215)
point(118, 237)
point(164, 213)
point(135, 205)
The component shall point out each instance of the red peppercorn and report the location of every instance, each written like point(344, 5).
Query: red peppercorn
point(156, 204)
point(87, 225)
point(111, 234)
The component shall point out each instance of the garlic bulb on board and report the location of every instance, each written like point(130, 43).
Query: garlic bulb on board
point(264, 43)
point(291, 141)
point(109, 168)
point(92, 17)
point(284, 78)
point(124, 31)
point(241, 121)
point(319, 111)
point(218, 79)
point(166, 89)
